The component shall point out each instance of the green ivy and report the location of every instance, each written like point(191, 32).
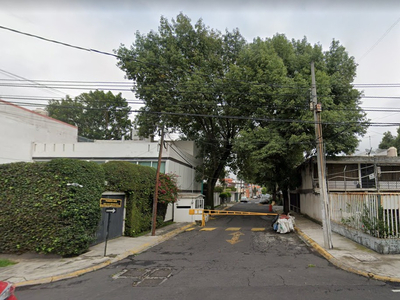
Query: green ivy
point(41, 212)
point(138, 183)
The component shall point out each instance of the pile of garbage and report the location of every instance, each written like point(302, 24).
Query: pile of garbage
point(283, 223)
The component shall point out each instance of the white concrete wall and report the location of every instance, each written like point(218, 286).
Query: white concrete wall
point(129, 151)
point(310, 205)
point(307, 177)
point(186, 201)
point(21, 127)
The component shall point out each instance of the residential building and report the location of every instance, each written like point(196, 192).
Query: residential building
point(20, 127)
point(32, 136)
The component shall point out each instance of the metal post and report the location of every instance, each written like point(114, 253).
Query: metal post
point(326, 226)
point(108, 230)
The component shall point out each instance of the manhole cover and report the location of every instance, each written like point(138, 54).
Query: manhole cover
point(145, 277)
point(160, 273)
point(149, 282)
point(135, 273)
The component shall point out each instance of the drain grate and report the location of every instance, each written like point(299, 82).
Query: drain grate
point(145, 277)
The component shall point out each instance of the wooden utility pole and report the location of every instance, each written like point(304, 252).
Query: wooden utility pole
point(326, 221)
point(155, 199)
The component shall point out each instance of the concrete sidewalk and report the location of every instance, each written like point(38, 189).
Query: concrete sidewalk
point(349, 255)
point(36, 269)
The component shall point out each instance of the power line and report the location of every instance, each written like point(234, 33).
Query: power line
point(33, 81)
point(58, 42)
point(379, 40)
point(182, 105)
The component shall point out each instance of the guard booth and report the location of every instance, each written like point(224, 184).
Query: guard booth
point(185, 202)
point(116, 228)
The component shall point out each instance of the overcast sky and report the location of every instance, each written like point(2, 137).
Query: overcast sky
point(370, 31)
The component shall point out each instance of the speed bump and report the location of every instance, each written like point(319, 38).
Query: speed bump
point(207, 229)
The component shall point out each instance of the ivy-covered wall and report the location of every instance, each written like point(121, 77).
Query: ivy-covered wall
point(138, 182)
point(50, 207)
point(53, 207)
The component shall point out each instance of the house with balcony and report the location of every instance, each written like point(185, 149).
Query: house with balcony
point(363, 194)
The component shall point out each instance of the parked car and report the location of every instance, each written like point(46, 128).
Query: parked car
point(265, 198)
point(7, 291)
point(244, 199)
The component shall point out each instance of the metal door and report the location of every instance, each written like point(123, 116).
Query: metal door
point(116, 221)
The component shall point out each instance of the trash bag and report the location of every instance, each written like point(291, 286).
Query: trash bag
point(284, 224)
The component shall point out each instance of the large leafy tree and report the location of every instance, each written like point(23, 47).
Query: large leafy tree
point(98, 115)
point(220, 91)
point(270, 152)
point(184, 73)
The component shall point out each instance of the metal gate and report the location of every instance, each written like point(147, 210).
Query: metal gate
point(116, 220)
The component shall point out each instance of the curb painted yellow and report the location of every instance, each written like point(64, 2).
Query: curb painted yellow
point(106, 263)
point(64, 276)
point(340, 264)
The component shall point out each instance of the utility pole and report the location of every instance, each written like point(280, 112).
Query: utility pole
point(155, 199)
point(326, 221)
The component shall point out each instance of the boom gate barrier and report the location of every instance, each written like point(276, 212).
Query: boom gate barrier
point(209, 212)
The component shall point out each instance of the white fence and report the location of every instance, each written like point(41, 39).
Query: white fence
point(373, 213)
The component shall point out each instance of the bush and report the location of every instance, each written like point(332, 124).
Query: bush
point(40, 212)
point(225, 195)
point(138, 182)
point(219, 189)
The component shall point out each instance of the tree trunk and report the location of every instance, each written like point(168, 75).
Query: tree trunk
point(286, 200)
point(210, 194)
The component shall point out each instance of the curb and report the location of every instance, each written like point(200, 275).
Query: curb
point(329, 257)
point(77, 273)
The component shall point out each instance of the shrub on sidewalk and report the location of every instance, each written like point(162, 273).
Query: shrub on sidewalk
point(50, 207)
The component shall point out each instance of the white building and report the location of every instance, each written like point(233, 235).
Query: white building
point(31, 136)
point(178, 157)
point(20, 127)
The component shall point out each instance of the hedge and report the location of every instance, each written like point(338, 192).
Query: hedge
point(42, 212)
point(138, 182)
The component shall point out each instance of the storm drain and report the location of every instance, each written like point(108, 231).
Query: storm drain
point(145, 277)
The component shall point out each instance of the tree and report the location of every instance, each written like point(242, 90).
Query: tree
point(388, 140)
point(222, 92)
point(270, 152)
point(98, 115)
point(182, 73)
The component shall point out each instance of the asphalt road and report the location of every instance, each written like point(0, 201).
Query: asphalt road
point(233, 259)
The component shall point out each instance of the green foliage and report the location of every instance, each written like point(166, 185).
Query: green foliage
point(219, 189)
point(264, 190)
point(270, 151)
point(40, 211)
point(225, 195)
point(191, 77)
point(372, 224)
point(258, 90)
point(138, 182)
point(98, 115)
point(388, 140)
point(167, 188)
point(6, 263)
